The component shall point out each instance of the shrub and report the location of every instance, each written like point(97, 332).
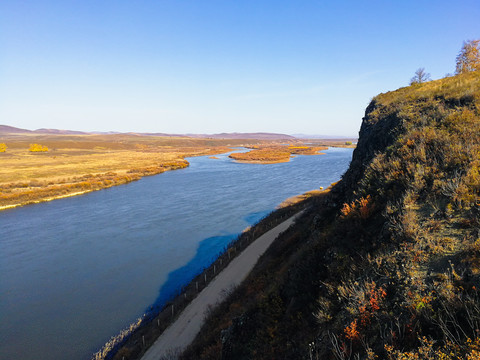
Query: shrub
point(38, 148)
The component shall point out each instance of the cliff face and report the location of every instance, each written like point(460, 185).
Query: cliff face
point(374, 137)
point(389, 116)
point(387, 263)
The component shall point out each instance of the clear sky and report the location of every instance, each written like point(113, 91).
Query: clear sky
point(202, 66)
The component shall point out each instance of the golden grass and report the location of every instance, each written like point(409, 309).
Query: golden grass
point(262, 156)
point(78, 164)
point(31, 177)
point(460, 86)
point(275, 154)
point(298, 198)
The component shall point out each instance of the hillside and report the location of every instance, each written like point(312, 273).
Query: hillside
point(386, 264)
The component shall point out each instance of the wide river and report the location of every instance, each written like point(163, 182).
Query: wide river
point(75, 271)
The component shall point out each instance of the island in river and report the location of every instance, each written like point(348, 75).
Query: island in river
point(271, 154)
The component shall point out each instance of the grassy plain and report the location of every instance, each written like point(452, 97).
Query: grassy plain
point(77, 164)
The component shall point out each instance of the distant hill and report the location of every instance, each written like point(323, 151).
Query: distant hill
point(257, 135)
point(5, 130)
point(324, 137)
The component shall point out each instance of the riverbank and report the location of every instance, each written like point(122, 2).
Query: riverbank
point(299, 198)
point(5, 207)
point(133, 342)
point(73, 165)
point(184, 330)
point(20, 194)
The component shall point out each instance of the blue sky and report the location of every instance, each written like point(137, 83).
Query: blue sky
point(204, 66)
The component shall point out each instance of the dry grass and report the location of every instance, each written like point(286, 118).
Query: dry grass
point(269, 154)
point(23, 166)
point(79, 164)
point(457, 89)
point(299, 198)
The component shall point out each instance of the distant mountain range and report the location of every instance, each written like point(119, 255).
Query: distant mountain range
point(10, 130)
point(7, 130)
point(258, 135)
point(324, 137)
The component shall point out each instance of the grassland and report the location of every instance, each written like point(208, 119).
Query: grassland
point(75, 164)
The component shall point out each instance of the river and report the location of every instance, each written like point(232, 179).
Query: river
point(75, 271)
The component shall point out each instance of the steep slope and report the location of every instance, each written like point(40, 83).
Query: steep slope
point(387, 263)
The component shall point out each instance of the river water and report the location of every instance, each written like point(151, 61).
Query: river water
point(75, 271)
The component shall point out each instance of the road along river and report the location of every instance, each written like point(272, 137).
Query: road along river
point(183, 331)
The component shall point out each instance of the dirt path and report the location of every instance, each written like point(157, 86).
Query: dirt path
point(183, 331)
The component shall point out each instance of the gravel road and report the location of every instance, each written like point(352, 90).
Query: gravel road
point(183, 331)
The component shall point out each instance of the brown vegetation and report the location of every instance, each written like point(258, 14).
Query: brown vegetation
point(275, 154)
point(299, 198)
point(75, 164)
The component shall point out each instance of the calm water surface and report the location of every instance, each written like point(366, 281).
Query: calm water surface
point(75, 271)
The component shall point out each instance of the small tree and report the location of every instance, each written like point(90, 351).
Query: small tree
point(38, 148)
point(468, 59)
point(420, 77)
point(3, 147)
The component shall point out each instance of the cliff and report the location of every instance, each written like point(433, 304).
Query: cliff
point(386, 264)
